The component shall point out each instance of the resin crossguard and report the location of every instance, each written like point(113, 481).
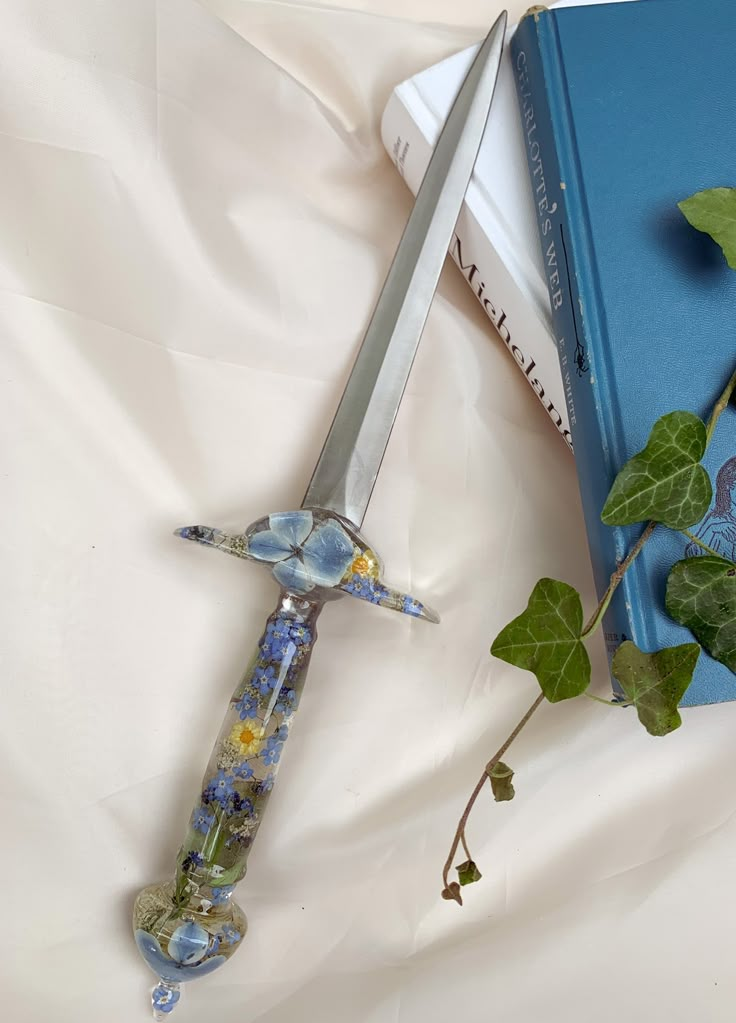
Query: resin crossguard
point(189, 926)
point(314, 554)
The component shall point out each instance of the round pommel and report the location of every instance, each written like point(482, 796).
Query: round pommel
point(183, 933)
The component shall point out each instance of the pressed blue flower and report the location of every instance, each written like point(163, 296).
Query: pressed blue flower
point(300, 634)
point(247, 706)
point(239, 804)
point(192, 859)
point(303, 555)
point(280, 650)
point(410, 606)
point(283, 638)
point(286, 703)
point(285, 635)
point(221, 895)
point(277, 642)
point(164, 998)
point(219, 790)
point(202, 819)
point(214, 944)
point(230, 934)
point(264, 679)
point(188, 944)
point(366, 588)
point(358, 585)
point(243, 770)
point(171, 969)
point(271, 752)
point(280, 628)
point(267, 782)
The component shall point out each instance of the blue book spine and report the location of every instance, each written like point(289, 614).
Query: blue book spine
point(570, 270)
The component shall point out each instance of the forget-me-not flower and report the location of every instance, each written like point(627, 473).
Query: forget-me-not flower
point(219, 789)
point(202, 819)
point(164, 998)
point(247, 706)
point(221, 895)
point(286, 703)
point(264, 679)
point(271, 752)
point(410, 606)
point(366, 588)
point(230, 934)
point(243, 770)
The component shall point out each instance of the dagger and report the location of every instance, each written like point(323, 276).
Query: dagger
point(189, 926)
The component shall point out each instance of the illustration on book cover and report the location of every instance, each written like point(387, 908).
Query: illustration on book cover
point(718, 528)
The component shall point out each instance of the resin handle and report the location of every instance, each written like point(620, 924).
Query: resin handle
point(189, 926)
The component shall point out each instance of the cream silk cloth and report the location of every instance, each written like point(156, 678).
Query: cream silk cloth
point(196, 214)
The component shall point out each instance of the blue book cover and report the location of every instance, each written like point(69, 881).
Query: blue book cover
point(627, 109)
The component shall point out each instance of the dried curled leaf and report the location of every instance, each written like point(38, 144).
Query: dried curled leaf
point(665, 482)
point(545, 639)
point(452, 893)
point(501, 777)
point(468, 873)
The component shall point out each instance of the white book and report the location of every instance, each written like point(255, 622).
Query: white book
point(496, 244)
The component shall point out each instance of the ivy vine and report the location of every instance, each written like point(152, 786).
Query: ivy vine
point(663, 486)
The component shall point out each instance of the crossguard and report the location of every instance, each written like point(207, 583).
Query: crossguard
point(315, 554)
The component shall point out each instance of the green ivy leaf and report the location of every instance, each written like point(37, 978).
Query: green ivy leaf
point(655, 683)
point(545, 639)
point(501, 777)
point(468, 873)
point(701, 595)
point(713, 211)
point(665, 481)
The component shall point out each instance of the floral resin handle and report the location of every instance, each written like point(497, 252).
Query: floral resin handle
point(189, 926)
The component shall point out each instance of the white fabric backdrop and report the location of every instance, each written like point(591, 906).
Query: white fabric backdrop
point(196, 214)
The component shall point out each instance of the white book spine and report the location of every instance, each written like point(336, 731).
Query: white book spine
point(526, 337)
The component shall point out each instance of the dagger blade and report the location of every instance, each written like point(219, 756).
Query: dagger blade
point(348, 465)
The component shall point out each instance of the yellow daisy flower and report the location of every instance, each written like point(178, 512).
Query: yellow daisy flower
point(365, 564)
point(247, 737)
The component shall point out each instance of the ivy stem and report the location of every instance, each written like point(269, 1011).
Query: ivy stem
point(618, 575)
point(211, 844)
point(465, 846)
point(599, 699)
point(460, 830)
point(608, 703)
point(616, 579)
point(719, 407)
point(699, 542)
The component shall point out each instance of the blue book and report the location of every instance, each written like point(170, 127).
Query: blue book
point(628, 108)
